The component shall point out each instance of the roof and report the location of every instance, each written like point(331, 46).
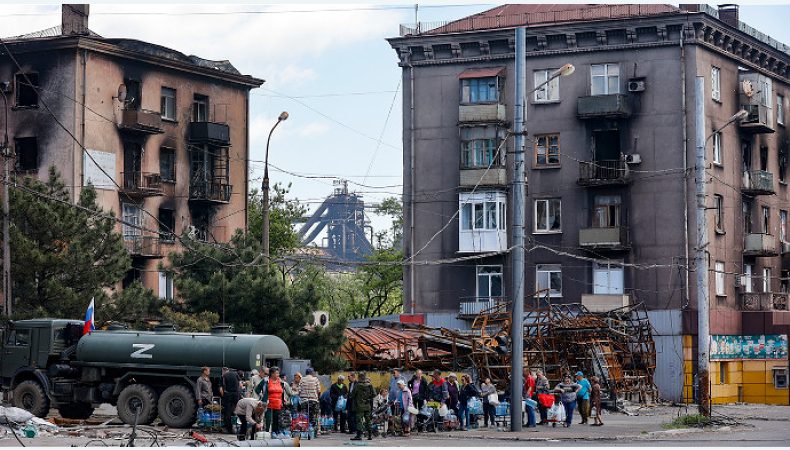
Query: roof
point(45, 322)
point(49, 32)
point(515, 15)
point(481, 73)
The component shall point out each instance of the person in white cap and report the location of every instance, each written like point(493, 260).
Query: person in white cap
point(405, 401)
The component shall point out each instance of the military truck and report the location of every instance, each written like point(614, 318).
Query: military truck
point(49, 363)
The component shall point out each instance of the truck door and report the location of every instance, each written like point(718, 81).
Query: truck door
point(16, 352)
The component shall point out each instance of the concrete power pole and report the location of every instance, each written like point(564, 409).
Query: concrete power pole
point(701, 259)
point(7, 294)
point(519, 190)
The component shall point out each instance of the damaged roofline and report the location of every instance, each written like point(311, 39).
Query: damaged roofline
point(88, 43)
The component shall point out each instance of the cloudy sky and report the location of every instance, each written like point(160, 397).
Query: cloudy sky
point(328, 65)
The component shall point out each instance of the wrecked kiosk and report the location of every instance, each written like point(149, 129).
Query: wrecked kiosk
point(49, 363)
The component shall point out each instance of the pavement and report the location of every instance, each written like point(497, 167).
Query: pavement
point(737, 425)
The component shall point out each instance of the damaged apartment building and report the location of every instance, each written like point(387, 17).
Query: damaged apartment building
point(610, 157)
point(162, 136)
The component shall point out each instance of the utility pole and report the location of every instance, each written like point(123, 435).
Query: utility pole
point(265, 192)
point(7, 153)
point(519, 190)
point(701, 260)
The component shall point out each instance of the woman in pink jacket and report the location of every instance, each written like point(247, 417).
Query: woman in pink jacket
point(405, 401)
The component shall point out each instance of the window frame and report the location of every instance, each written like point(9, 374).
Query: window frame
point(547, 146)
point(18, 167)
point(715, 83)
point(20, 83)
point(131, 232)
point(766, 219)
point(164, 103)
point(166, 178)
point(748, 278)
point(552, 87)
point(782, 226)
point(766, 278)
point(487, 151)
point(468, 215)
point(718, 158)
point(780, 109)
point(548, 270)
point(718, 205)
point(489, 276)
point(167, 277)
point(719, 279)
point(197, 100)
point(548, 205)
point(468, 91)
point(606, 76)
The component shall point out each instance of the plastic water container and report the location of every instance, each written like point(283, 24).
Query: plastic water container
point(260, 435)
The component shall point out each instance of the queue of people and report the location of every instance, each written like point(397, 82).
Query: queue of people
point(352, 405)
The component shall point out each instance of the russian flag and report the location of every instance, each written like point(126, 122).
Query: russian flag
point(89, 325)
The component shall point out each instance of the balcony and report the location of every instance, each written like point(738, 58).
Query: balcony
point(604, 173)
point(763, 301)
point(141, 184)
point(210, 191)
point(472, 306)
point(490, 112)
point(495, 176)
point(759, 120)
point(611, 106)
point(141, 121)
point(209, 133)
point(758, 182)
point(760, 244)
point(143, 246)
point(605, 302)
point(606, 238)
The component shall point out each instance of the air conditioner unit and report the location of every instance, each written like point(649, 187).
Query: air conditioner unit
point(321, 319)
point(636, 85)
point(633, 159)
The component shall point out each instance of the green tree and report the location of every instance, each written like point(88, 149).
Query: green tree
point(61, 255)
point(283, 213)
point(392, 207)
point(134, 306)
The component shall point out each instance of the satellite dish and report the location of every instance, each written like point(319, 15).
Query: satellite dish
point(747, 88)
point(121, 92)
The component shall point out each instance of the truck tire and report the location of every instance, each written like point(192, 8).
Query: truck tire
point(134, 396)
point(177, 407)
point(30, 395)
point(77, 410)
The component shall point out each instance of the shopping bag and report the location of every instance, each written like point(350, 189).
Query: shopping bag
point(341, 403)
point(493, 399)
point(546, 400)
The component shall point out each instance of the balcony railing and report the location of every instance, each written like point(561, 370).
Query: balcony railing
point(604, 173)
point(758, 182)
point(760, 244)
point(141, 120)
point(488, 112)
point(142, 183)
point(209, 132)
point(759, 119)
point(763, 301)
point(472, 306)
point(610, 106)
point(605, 302)
point(210, 191)
point(476, 176)
point(604, 238)
point(143, 246)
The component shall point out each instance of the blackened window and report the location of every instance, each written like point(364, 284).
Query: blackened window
point(26, 85)
point(167, 224)
point(200, 108)
point(167, 164)
point(133, 94)
point(26, 154)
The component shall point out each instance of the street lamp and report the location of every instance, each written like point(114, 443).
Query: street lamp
point(519, 219)
point(7, 153)
point(265, 189)
point(701, 263)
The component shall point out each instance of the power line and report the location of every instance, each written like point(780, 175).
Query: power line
point(383, 129)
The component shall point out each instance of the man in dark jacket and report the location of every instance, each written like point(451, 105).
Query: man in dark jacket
point(418, 386)
point(362, 400)
point(437, 389)
point(230, 396)
point(338, 390)
point(351, 415)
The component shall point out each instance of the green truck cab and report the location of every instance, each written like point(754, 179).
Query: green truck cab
point(49, 363)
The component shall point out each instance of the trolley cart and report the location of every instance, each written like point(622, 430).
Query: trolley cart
point(210, 416)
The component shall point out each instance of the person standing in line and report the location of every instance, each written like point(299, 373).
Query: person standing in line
point(204, 393)
point(530, 383)
point(362, 398)
point(569, 391)
point(419, 389)
point(542, 386)
point(272, 393)
point(406, 402)
point(255, 380)
point(309, 390)
point(453, 391)
point(249, 411)
point(437, 389)
point(595, 401)
point(339, 389)
point(351, 416)
point(393, 393)
point(230, 396)
point(583, 396)
point(489, 410)
point(468, 391)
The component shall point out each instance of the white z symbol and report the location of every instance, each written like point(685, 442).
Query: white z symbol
point(140, 354)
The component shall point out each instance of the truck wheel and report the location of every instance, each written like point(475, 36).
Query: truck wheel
point(29, 395)
point(177, 407)
point(137, 396)
point(78, 410)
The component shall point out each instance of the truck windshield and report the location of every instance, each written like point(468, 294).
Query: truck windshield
point(18, 338)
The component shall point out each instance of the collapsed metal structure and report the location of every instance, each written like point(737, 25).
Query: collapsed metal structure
point(617, 346)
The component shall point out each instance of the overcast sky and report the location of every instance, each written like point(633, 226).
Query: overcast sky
point(328, 65)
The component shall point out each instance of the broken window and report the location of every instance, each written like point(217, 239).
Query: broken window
point(167, 164)
point(782, 226)
point(718, 204)
point(489, 282)
point(782, 154)
point(766, 279)
point(550, 92)
point(720, 291)
point(766, 220)
point(547, 150)
point(200, 108)
point(715, 83)
point(717, 158)
point(167, 225)
point(747, 217)
point(168, 103)
point(132, 216)
point(133, 94)
point(606, 211)
point(784, 280)
point(548, 215)
point(26, 85)
point(764, 158)
point(26, 154)
point(549, 277)
point(134, 274)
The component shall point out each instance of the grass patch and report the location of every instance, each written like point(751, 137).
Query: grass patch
point(687, 421)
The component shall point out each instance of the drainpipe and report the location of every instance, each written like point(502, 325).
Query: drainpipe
point(684, 130)
point(82, 126)
point(412, 190)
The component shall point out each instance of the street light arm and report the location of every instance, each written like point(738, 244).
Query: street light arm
point(740, 115)
point(268, 139)
point(563, 71)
